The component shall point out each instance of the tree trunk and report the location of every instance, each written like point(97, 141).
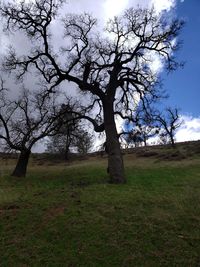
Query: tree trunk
point(67, 145)
point(145, 141)
point(21, 167)
point(115, 159)
point(173, 143)
point(172, 140)
point(66, 154)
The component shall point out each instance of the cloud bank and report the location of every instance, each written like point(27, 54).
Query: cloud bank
point(189, 130)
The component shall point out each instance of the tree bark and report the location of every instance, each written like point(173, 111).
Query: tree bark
point(115, 159)
point(172, 142)
point(21, 167)
point(145, 141)
point(66, 153)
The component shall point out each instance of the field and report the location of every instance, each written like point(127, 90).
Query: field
point(68, 215)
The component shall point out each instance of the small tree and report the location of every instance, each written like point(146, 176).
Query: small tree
point(25, 121)
point(169, 123)
point(66, 135)
point(146, 132)
point(59, 144)
point(142, 125)
point(70, 135)
point(133, 138)
point(84, 141)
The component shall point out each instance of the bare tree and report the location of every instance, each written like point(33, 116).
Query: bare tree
point(84, 141)
point(113, 72)
point(133, 137)
point(27, 120)
point(142, 127)
point(146, 132)
point(74, 137)
point(169, 123)
point(65, 136)
point(60, 144)
point(71, 135)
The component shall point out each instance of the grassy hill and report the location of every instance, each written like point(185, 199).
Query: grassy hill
point(66, 214)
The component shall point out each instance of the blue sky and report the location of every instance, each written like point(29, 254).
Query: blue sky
point(183, 85)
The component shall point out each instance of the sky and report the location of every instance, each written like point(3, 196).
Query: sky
point(182, 85)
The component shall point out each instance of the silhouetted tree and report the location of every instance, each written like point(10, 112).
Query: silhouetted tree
point(25, 121)
point(134, 137)
point(142, 126)
point(84, 141)
point(113, 72)
point(66, 135)
point(70, 135)
point(169, 122)
point(59, 144)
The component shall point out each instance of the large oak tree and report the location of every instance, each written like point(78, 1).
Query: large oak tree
point(111, 69)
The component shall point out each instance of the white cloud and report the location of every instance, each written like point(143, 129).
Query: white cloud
point(110, 8)
point(156, 64)
point(4, 42)
point(113, 7)
point(189, 130)
point(161, 5)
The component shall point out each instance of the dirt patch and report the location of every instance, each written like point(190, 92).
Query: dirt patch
point(53, 213)
point(172, 156)
point(11, 207)
point(8, 210)
point(147, 154)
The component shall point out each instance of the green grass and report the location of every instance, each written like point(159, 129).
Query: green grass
point(70, 216)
